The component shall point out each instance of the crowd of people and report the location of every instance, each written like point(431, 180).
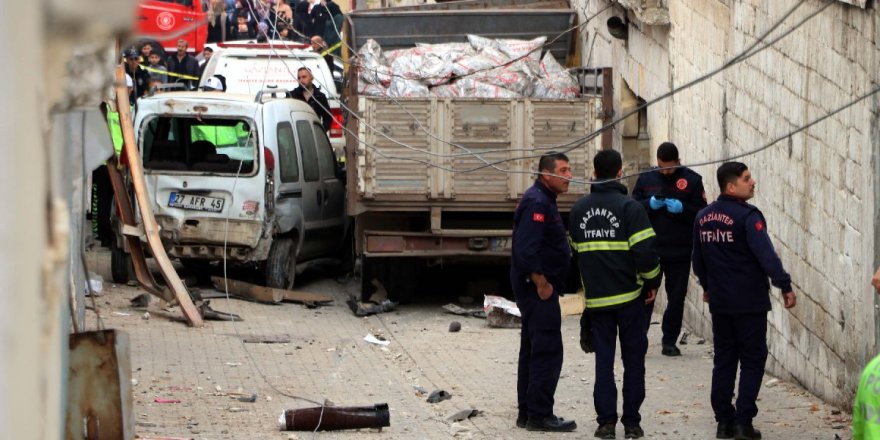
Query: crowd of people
point(299, 21)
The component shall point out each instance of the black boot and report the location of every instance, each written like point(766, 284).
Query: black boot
point(550, 423)
point(522, 420)
point(725, 430)
point(634, 431)
point(670, 350)
point(746, 432)
point(606, 431)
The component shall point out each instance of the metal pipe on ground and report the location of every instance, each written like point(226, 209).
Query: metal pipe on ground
point(333, 418)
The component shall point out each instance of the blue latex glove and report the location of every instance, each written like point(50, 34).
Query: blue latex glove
point(656, 204)
point(674, 206)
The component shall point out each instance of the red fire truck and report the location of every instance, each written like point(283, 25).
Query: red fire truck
point(167, 21)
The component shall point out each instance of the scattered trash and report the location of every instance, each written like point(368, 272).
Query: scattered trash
point(420, 391)
point(332, 418)
point(374, 340)
point(454, 327)
point(267, 339)
point(438, 396)
point(248, 399)
point(814, 408)
point(361, 308)
point(121, 314)
point(141, 301)
point(161, 400)
point(835, 412)
point(457, 310)
point(501, 312)
point(208, 313)
point(146, 315)
point(134, 382)
point(684, 338)
point(701, 342)
point(233, 364)
point(96, 284)
point(457, 428)
point(771, 383)
point(146, 424)
point(236, 409)
point(464, 414)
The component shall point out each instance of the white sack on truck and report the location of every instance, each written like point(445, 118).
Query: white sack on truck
point(482, 68)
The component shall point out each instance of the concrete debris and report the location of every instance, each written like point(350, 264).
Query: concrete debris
point(501, 312)
point(267, 339)
point(456, 429)
point(439, 396)
point(454, 327)
point(208, 313)
point(361, 308)
point(457, 310)
point(146, 315)
point(248, 399)
point(771, 383)
point(420, 391)
point(464, 414)
point(141, 301)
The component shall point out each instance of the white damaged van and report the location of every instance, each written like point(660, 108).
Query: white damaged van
point(256, 175)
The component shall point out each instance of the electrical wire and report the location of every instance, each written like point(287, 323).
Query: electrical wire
point(573, 144)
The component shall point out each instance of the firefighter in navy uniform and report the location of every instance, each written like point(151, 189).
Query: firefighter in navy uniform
point(733, 257)
point(540, 260)
point(672, 195)
point(614, 242)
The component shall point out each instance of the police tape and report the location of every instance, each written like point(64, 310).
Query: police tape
point(331, 49)
point(165, 72)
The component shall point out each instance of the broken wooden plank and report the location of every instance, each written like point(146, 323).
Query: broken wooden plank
point(266, 339)
point(126, 216)
point(248, 290)
point(267, 294)
point(151, 228)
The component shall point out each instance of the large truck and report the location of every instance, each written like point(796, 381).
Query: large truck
point(418, 196)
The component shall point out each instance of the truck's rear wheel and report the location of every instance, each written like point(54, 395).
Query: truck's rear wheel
point(281, 265)
point(121, 267)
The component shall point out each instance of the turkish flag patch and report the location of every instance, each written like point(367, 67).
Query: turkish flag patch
point(538, 217)
point(759, 225)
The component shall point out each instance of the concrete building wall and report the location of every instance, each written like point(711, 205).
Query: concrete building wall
point(817, 188)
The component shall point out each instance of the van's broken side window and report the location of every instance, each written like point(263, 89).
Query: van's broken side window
point(184, 143)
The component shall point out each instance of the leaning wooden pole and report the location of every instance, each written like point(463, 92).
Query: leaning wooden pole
point(151, 229)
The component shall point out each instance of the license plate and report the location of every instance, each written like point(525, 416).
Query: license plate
point(499, 243)
point(195, 202)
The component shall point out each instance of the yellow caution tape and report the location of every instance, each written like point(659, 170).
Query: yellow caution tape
point(331, 49)
point(165, 72)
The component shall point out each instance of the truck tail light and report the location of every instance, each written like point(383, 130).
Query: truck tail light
point(336, 127)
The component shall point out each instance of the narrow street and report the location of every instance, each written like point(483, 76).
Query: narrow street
point(208, 369)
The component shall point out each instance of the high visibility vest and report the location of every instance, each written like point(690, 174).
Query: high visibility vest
point(866, 409)
point(115, 131)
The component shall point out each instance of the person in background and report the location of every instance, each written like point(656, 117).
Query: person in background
point(319, 46)
point(138, 74)
point(243, 28)
point(157, 69)
point(540, 258)
point(733, 257)
point(620, 273)
point(671, 195)
point(309, 92)
point(207, 53)
point(184, 65)
point(217, 24)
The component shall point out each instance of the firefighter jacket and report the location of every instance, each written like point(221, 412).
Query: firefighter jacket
point(539, 243)
point(615, 247)
point(674, 230)
point(733, 257)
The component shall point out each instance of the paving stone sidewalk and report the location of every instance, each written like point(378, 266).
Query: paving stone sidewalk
point(208, 369)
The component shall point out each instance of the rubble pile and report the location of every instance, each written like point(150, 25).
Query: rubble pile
point(480, 68)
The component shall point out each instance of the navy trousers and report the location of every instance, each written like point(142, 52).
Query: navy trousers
point(629, 321)
point(676, 273)
point(540, 351)
point(740, 341)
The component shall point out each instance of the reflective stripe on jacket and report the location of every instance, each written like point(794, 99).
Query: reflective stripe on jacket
point(615, 247)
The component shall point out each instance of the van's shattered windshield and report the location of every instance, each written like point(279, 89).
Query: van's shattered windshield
point(187, 143)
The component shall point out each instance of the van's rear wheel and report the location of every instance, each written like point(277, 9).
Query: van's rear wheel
point(121, 267)
point(281, 265)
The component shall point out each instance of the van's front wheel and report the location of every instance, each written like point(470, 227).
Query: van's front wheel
point(281, 265)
